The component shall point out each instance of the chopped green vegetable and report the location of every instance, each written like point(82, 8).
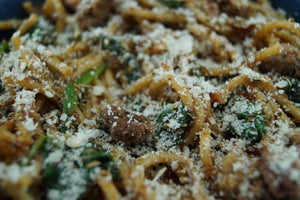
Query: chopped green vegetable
point(260, 123)
point(34, 150)
point(244, 119)
point(171, 122)
point(64, 175)
point(4, 47)
point(52, 171)
point(132, 71)
point(88, 77)
point(93, 152)
point(71, 99)
point(43, 32)
point(135, 104)
point(172, 3)
point(292, 89)
point(67, 129)
point(63, 128)
point(75, 169)
point(167, 140)
point(97, 155)
point(115, 173)
point(51, 176)
point(113, 45)
point(173, 117)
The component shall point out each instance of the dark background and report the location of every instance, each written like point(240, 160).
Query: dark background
point(292, 7)
point(13, 9)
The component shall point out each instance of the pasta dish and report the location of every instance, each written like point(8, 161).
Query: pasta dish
point(150, 99)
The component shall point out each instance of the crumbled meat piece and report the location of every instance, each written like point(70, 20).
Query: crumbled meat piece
point(126, 127)
point(280, 186)
point(286, 63)
point(43, 104)
point(93, 14)
point(110, 114)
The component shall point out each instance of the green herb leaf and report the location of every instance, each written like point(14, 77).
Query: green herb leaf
point(177, 113)
point(135, 104)
point(59, 175)
point(247, 119)
point(88, 77)
point(171, 122)
point(292, 89)
point(115, 173)
point(51, 176)
point(113, 45)
point(71, 99)
point(4, 47)
point(260, 123)
point(172, 3)
point(132, 71)
point(43, 32)
point(169, 139)
point(34, 150)
point(95, 153)
point(99, 156)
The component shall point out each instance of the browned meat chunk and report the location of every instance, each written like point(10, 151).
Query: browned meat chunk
point(287, 63)
point(126, 127)
point(280, 185)
point(93, 14)
point(43, 104)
